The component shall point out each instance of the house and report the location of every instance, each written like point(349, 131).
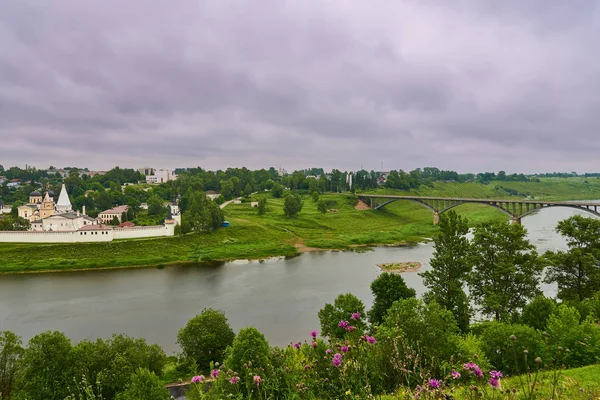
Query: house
point(14, 184)
point(106, 217)
point(161, 176)
point(63, 222)
point(28, 212)
point(211, 194)
point(146, 171)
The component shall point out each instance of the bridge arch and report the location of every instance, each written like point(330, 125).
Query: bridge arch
point(574, 206)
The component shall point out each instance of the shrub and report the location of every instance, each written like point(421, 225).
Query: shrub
point(206, 337)
point(512, 348)
point(249, 349)
point(386, 289)
point(537, 312)
point(144, 385)
point(292, 205)
point(10, 355)
point(344, 316)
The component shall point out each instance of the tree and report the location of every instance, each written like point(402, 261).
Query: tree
point(249, 348)
point(505, 269)
point(315, 196)
point(10, 355)
point(346, 307)
point(449, 268)
point(115, 221)
point(130, 213)
point(205, 338)
point(144, 385)
point(248, 190)
point(11, 223)
point(292, 205)
point(576, 271)
point(277, 191)
point(155, 205)
point(44, 367)
point(322, 206)
point(262, 205)
point(386, 289)
point(537, 312)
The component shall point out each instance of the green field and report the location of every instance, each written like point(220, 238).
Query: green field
point(254, 236)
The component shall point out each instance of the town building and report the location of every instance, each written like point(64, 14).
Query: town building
point(107, 217)
point(146, 171)
point(211, 194)
point(161, 176)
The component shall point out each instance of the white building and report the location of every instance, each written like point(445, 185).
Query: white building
point(106, 217)
point(64, 222)
point(211, 194)
point(63, 204)
point(161, 176)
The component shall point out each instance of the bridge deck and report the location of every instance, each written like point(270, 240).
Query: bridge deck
point(471, 200)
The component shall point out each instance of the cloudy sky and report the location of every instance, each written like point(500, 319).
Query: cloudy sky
point(465, 85)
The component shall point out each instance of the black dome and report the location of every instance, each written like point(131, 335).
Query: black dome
point(35, 193)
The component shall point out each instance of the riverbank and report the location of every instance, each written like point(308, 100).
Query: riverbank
point(256, 237)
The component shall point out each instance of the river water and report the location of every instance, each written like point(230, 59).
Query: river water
point(280, 297)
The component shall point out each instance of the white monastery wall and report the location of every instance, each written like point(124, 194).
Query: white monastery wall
point(55, 237)
point(144, 231)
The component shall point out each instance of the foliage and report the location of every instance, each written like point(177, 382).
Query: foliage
point(155, 205)
point(342, 309)
point(277, 191)
point(45, 366)
point(292, 205)
point(511, 348)
point(505, 269)
point(386, 289)
point(14, 223)
point(262, 206)
point(249, 348)
point(206, 337)
point(576, 271)
point(449, 268)
point(10, 356)
point(322, 207)
point(537, 312)
point(144, 385)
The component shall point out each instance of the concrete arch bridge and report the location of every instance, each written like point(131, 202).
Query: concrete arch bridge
point(515, 209)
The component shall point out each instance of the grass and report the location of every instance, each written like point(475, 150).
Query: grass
point(576, 383)
point(253, 236)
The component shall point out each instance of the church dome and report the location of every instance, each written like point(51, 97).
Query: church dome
point(35, 193)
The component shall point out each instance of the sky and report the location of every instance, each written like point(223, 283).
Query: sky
point(481, 85)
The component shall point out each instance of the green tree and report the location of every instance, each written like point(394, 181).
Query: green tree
point(537, 312)
point(206, 337)
point(386, 289)
point(505, 269)
point(249, 347)
point(11, 223)
point(10, 356)
point(115, 221)
point(576, 271)
point(45, 366)
point(155, 205)
point(322, 207)
point(144, 385)
point(429, 332)
point(130, 214)
point(262, 205)
point(277, 191)
point(315, 196)
point(449, 268)
point(248, 190)
point(342, 309)
point(292, 205)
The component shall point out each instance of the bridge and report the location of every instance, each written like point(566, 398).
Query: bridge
point(515, 209)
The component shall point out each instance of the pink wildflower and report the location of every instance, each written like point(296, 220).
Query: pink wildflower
point(344, 348)
point(350, 328)
point(315, 344)
point(328, 351)
point(495, 383)
point(434, 383)
point(355, 315)
point(455, 374)
point(496, 374)
point(215, 373)
point(234, 380)
point(314, 333)
point(197, 378)
point(337, 360)
point(297, 345)
point(343, 324)
point(371, 339)
point(257, 379)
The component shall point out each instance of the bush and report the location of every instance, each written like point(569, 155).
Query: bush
point(537, 312)
point(292, 205)
point(144, 385)
point(250, 349)
point(206, 337)
point(386, 289)
point(508, 355)
point(10, 355)
point(347, 308)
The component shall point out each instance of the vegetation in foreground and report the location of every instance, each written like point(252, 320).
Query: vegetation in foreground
point(403, 348)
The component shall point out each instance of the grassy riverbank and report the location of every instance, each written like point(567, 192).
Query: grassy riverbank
point(254, 236)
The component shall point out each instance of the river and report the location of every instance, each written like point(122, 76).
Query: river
point(280, 297)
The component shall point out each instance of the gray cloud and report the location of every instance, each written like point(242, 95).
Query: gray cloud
point(468, 85)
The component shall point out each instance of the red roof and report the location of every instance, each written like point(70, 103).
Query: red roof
point(126, 224)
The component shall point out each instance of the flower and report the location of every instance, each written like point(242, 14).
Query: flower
point(496, 374)
point(315, 344)
point(371, 339)
point(474, 368)
point(297, 345)
point(495, 383)
point(234, 380)
point(350, 328)
point(345, 348)
point(455, 374)
point(257, 379)
point(328, 351)
point(355, 315)
point(215, 373)
point(434, 383)
point(337, 360)
point(314, 333)
point(343, 324)
point(197, 378)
